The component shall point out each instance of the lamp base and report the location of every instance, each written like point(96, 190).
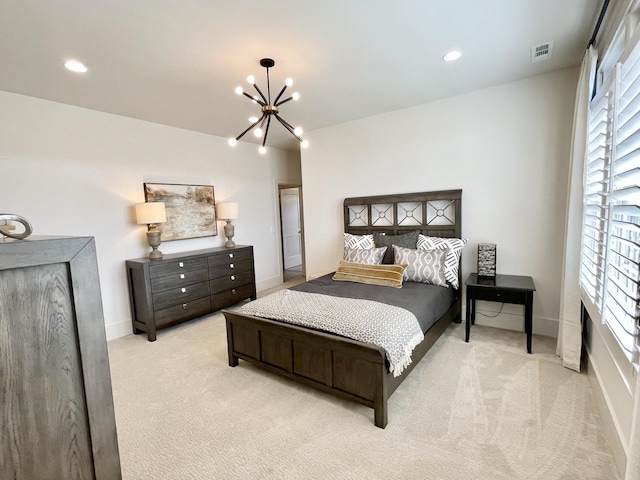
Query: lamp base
point(153, 238)
point(229, 232)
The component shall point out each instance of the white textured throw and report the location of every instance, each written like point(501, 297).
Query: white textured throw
point(392, 328)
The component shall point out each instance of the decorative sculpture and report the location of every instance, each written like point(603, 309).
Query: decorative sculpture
point(5, 228)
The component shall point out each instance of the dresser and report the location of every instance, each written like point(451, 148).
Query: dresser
point(56, 407)
point(183, 286)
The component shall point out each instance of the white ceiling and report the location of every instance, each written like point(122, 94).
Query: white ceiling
point(177, 62)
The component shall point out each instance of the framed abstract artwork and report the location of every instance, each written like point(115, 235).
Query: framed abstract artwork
point(191, 209)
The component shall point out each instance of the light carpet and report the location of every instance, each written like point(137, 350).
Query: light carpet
point(479, 410)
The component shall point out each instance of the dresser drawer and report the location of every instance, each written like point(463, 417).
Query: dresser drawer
point(231, 297)
point(180, 295)
point(183, 311)
point(177, 267)
point(230, 268)
point(496, 295)
point(231, 257)
point(175, 280)
point(234, 280)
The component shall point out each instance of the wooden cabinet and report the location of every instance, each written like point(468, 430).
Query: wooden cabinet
point(56, 406)
point(183, 286)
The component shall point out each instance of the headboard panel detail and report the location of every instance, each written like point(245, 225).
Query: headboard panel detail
point(436, 214)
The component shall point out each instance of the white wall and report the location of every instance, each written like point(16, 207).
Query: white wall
point(73, 171)
point(506, 147)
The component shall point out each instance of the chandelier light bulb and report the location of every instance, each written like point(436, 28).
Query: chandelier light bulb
point(262, 150)
point(253, 119)
point(295, 95)
point(288, 82)
point(257, 132)
point(297, 131)
point(251, 79)
point(233, 142)
point(304, 143)
point(239, 90)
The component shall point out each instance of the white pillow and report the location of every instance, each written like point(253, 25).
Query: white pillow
point(370, 256)
point(423, 266)
point(358, 241)
point(452, 260)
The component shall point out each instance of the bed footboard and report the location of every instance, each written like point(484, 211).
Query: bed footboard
point(346, 368)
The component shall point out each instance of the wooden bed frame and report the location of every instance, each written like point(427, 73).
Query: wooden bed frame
point(347, 368)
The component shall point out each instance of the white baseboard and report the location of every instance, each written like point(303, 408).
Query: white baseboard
point(512, 318)
point(615, 442)
point(268, 283)
point(117, 330)
point(293, 261)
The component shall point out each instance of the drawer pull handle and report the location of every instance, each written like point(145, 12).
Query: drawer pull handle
point(184, 306)
point(182, 275)
point(231, 255)
point(231, 265)
point(233, 290)
point(181, 265)
point(233, 277)
point(184, 290)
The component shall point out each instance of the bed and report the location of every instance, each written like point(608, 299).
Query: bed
point(351, 369)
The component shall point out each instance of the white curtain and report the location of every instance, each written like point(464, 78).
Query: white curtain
point(569, 345)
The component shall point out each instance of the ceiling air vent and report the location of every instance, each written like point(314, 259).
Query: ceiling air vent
point(541, 52)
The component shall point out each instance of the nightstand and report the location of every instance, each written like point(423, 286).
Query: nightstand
point(503, 288)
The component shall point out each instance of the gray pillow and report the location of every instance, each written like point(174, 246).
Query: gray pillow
point(423, 266)
point(358, 241)
point(454, 250)
point(406, 240)
point(370, 256)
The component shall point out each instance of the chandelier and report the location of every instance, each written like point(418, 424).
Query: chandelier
point(268, 109)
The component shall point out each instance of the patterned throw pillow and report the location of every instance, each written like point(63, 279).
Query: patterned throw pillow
point(423, 266)
point(407, 240)
point(358, 241)
point(452, 260)
point(370, 256)
point(385, 275)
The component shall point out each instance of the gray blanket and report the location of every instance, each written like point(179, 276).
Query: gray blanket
point(427, 302)
point(394, 329)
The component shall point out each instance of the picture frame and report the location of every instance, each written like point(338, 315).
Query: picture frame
point(190, 209)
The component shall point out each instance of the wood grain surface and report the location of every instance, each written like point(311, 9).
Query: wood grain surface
point(43, 402)
point(56, 408)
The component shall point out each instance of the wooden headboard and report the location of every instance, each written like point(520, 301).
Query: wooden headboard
point(435, 214)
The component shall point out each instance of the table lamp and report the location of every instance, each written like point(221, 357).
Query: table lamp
point(152, 213)
point(228, 212)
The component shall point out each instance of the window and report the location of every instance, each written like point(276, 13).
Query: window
point(610, 273)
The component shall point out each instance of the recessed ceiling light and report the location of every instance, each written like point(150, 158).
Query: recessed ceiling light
point(75, 66)
point(451, 56)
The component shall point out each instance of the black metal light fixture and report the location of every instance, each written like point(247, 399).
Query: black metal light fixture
point(268, 109)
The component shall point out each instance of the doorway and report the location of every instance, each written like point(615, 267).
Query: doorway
point(291, 231)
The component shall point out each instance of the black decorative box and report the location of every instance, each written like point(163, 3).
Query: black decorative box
point(487, 260)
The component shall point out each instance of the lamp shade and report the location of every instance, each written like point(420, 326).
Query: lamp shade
point(150, 212)
point(227, 211)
